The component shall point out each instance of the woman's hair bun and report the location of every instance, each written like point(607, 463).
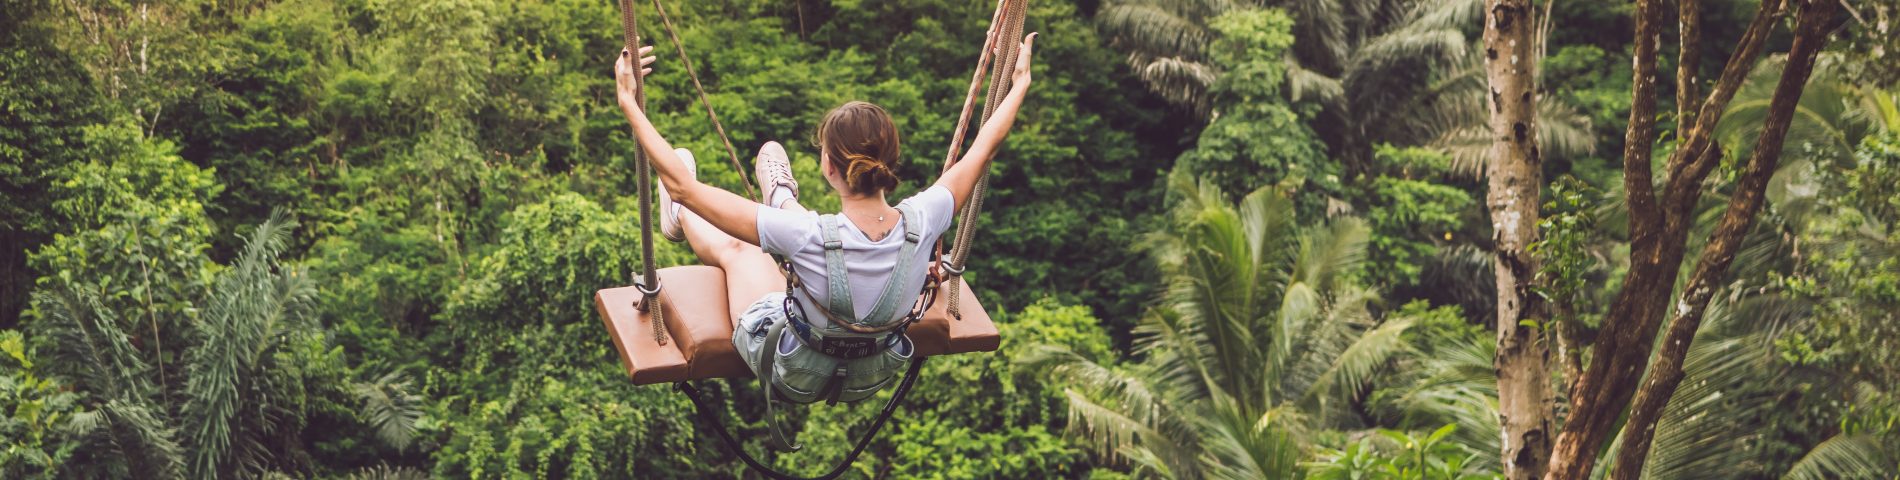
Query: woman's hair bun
point(860, 140)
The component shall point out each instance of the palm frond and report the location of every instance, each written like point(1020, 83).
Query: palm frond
point(1240, 447)
point(390, 408)
point(1328, 252)
point(1354, 367)
point(1302, 82)
point(1845, 456)
point(1115, 433)
point(137, 432)
point(1155, 28)
point(1434, 45)
point(251, 305)
point(1447, 15)
point(1825, 125)
point(385, 472)
point(1458, 125)
point(1181, 81)
point(87, 344)
point(1714, 418)
point(1320, 33)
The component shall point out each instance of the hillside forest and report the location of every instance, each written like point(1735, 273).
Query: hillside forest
point(1237, 239)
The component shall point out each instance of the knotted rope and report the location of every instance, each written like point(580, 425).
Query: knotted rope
point(649, 280)
point(1007, 24)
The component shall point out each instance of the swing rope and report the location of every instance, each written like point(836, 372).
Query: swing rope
point(1010, 13)
point(649, 279)
point(680, 48)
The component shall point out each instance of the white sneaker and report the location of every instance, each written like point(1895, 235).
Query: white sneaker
point(773, 169)
point(669, 211)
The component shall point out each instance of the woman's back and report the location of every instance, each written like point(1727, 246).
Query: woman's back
point(868, 264)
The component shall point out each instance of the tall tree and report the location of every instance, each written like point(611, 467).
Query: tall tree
point(1659, 225)
point(1515, 173)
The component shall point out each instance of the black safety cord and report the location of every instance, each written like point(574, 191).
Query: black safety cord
point(712, 417)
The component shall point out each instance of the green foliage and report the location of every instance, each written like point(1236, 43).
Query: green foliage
point(463, 181)
point(1412, 216)
point(140, 239)
point(1448, 381)
point(1585, 75)
point(1256, 137)
point(40, 424)
point(1260, 336)
point(528, 383)
point(244, 388)
point(972, 416)
point(1396, 455)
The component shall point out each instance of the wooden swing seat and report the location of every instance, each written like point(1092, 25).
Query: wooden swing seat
point(701, 313)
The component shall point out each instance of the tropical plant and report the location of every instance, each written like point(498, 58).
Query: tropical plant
point(1383, 71)
point(243, 390)
point(243, 393)
point(1746, 391)
point(36, 413)
point(1397, 455)
point(1259, 337)
point(390, 407)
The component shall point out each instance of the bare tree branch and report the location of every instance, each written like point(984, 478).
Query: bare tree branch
point(1666, 373)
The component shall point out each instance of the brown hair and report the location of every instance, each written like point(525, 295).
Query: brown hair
point(861, 141)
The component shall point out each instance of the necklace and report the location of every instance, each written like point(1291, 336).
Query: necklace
point(880, 215)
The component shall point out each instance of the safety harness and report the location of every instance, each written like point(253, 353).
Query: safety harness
point(784, 368)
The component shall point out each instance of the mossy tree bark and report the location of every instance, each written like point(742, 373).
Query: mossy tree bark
point(1515, 173)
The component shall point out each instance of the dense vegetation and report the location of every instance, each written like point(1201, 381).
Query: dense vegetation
point(1227, 239)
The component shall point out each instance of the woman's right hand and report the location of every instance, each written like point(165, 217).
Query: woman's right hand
point(624, 90)
point(1021, 76)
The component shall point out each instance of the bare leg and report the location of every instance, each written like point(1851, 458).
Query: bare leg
point(750, 273)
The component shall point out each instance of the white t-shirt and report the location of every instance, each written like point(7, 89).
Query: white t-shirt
point(868, 264)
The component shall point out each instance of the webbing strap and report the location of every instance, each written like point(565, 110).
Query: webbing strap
point(889, 299)
point(781, 441)
point(837, 276)
point(710, 415)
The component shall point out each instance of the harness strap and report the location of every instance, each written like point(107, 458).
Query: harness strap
point(887, 300)
point(780, 440)
point(838, 277)
point(710, 415)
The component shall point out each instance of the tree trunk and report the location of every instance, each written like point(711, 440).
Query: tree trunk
point(1659, 229)
point(1666, 372)
point(1515, 173)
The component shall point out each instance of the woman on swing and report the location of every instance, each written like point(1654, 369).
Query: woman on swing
point(846, 269)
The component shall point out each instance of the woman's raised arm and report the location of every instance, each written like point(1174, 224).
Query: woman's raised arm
point(725, 210)
point(961, 178)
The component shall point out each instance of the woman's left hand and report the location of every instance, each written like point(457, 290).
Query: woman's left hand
point(624, 78)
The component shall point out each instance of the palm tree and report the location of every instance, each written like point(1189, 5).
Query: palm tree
point(126, 429)
point(1258, 337)
point(243, 394)
point(240, 398)
point(1385, 71)
point(1720, 423)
